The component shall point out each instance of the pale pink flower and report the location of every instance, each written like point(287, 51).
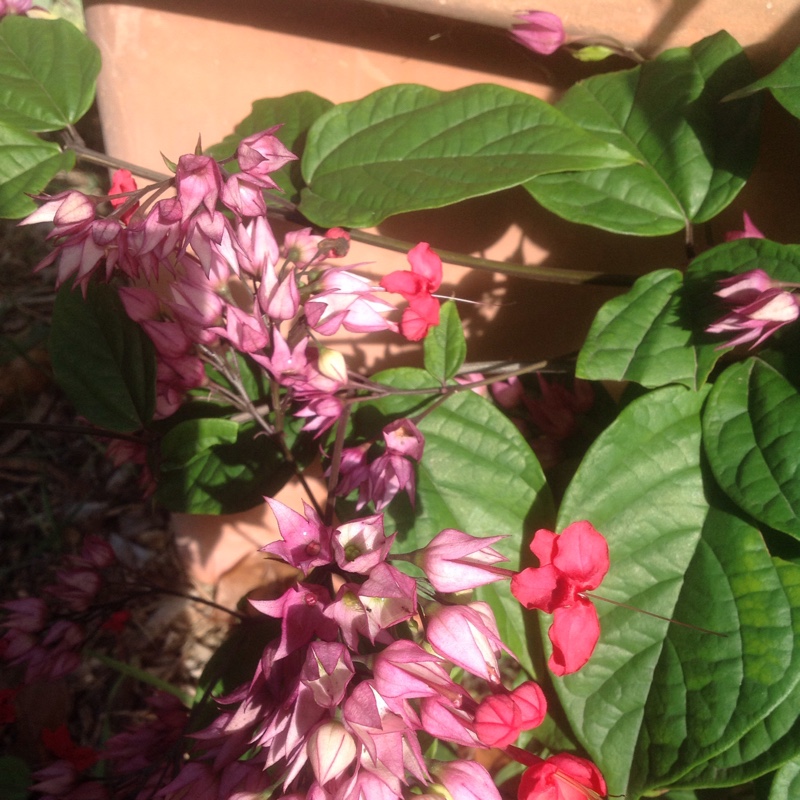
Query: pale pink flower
point(454, 561)
point(361, 545)
point(465, 780)
point(198, 181)
point(467, 636)
point(331, 750)
point(261, 154)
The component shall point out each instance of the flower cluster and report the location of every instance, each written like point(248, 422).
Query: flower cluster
point(361, 668)
point(230, 286)
point(379, 480)
point(45, 637)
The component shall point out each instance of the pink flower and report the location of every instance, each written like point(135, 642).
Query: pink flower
point(305, 541)
point(468, 637)
point(465, 780)
point(569, 564)
point(562, 777)
point(261, 154)
point(9, 7)
point(759, 307)
point(416, 286)
point(455, 561)
point(749, 232)
point(331, 750)
point(539, 31)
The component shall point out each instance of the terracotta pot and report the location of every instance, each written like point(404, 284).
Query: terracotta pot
point(174, 70)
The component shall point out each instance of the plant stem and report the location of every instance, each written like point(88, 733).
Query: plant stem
point(283, 208)
point(140, 675)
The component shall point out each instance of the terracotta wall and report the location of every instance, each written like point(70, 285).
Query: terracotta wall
point(195, 68)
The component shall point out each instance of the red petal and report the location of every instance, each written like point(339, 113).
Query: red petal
point(534, 587)
point(403, 282)
point(582, 555)
point(574, 634)
point(425, 263)
point(543, 546)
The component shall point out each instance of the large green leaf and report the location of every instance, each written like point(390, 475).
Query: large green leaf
point(27, 165)
point(478, 475)
point(693, 153)
point(643, 337)
point(103, 360)
point(783, 82)
point(216, 466)
point(764, 748)
point(751, 437)
point(294, 112)
point(408, 147)
point(48, 72)
point(657, 700)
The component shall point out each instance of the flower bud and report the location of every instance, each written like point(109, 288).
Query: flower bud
point(332, 365)
point(331, 750)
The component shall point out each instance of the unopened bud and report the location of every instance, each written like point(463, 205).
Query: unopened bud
point(331, 750)
point(332, 365)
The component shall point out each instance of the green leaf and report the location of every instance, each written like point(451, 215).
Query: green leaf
point(693, 154)
point(783, 82)
point(751, 438)
point(659, 700)
point(215, 466)
point(295, 112)
point(408, 147)
point(48, 73)
point(780, 261)
point(786, 784)
point(103, 361)
point(641, 336)
point(445, 346)
point(27, 165)
point(764, 748)
point(480, 476)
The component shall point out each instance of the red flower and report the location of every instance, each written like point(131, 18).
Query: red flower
point(60, 744)
point(123, 181)
point(569, 564)
point(417, 286)
point(562, 777)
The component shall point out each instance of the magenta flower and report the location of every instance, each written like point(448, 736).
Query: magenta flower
point(539, 31)
point(305, 541)
point(749, 230)
point(569, 565)
point(759, 307)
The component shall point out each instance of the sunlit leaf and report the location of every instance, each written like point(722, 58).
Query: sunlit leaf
point(48, 73)
point(408, 147)
point(693, 153)
point(27, 165)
